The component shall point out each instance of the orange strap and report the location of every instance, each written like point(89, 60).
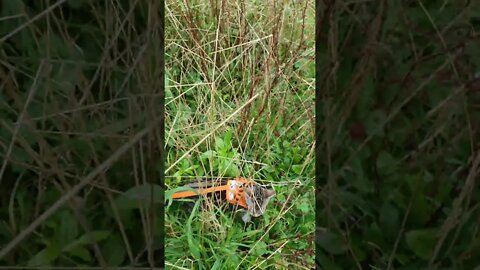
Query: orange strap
point(185, 194)
point(233, 187)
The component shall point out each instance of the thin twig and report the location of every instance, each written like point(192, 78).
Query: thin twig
point(69, 194)
point(211, 132)
point(30, 96)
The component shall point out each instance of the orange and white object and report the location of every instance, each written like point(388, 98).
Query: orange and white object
point(234, 191)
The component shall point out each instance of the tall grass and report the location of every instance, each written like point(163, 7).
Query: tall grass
point(239, 102)
point(399, 135)
point(79, 105)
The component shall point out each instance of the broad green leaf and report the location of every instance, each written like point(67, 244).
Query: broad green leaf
point(365, 100)
point(304, 206)
point(226, 166)
point(260, 248)
point(18, 154)
point(358, 247)
point(422, 242)
point(54, 44)
point(44, 257)
point(208, 154)
point(421, 210)
point(402, 258)
point(297, 169)
point(326, 263)
point(184, 164)
point(67, 229)
point(389, 218)
point(359, 179)
point(76, 4)
point(217, 264)
point(374, 123)
point(219, 144)
point(114, 250)
point(331, 243)
point(386, 164)
point(139, 196)
point(193, 243)
point(227, 139)
point(80, 252)
point(178, 176)
point(375, 235)
point(86, 239)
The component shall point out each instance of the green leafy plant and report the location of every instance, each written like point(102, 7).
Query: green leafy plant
point(241, 84)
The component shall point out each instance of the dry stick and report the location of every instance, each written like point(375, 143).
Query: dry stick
point(108, 45)
point(38, 16)
point(77, 208)
point(175, 266)
point(13, 223)
point(108, 102)
point(271, 255)
point(440, 36)
point(67, 196)
point(452, 219)
point(451, 58)
point(119, 221)
point(282, 213)
point(270, 226)
point(146, 222)
point(116, 215)
point(402, 229)
point(213, 85)
point(243, 44)
point(211, 132)
point(394, 113)
point(20, 118)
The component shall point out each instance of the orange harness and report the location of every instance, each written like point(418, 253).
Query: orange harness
point(234, 190)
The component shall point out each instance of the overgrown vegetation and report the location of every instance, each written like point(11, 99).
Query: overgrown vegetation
point(399, 128)
point(240, 102)
point(79, 83)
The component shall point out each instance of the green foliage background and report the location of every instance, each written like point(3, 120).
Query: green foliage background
point(219, 56)
point(399, 129)
point(78, 79)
